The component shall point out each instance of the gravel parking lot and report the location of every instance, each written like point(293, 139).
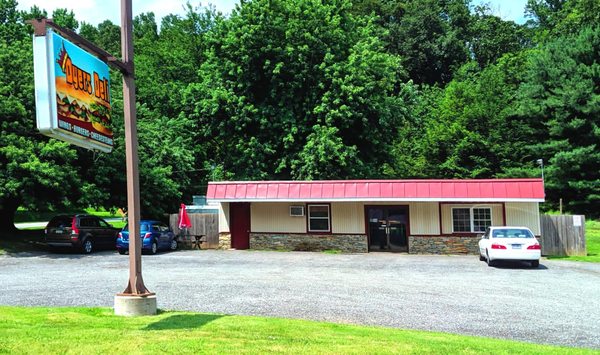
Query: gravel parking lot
point(559, 303)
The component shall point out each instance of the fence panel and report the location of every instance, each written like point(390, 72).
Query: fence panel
point(202, 223)
point(563, 235)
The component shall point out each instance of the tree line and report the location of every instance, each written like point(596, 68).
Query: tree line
point(316, 89)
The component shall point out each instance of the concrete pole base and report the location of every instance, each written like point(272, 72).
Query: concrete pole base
point(132, 306)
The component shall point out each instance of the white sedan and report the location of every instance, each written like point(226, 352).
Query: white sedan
point(509, 243)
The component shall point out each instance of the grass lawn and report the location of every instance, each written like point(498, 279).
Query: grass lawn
point(23, 215)
point(592, 240)
point(98, 331)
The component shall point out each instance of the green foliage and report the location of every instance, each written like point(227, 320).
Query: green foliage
point(560, 100)
point(555, 18)
point(34, 171)
point(313, 90)
point(299, 90)
point(492, 37)
point(429, 36)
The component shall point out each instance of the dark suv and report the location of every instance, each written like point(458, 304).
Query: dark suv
point(81, 231)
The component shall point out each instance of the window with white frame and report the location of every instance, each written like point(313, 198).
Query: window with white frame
point(471, 219)
point(318, 218)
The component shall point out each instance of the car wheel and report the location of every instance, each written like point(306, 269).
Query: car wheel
point(88, 246)
point(122, 251)
point(481, 257)
point(173, 245)
point(153, 247)
point(489, 262)
point(535, 264)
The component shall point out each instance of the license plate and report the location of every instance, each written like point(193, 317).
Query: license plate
point(58, 231)
point(516, 246)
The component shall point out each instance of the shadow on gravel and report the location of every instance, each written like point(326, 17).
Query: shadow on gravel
point(518, 265)
point(25, 241)
point(183, 321)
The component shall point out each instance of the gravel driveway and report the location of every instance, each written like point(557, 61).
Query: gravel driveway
point(559, 303)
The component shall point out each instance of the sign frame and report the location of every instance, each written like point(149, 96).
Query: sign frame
point(86, 134)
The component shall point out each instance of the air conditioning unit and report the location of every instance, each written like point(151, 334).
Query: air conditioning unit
point(297, 211)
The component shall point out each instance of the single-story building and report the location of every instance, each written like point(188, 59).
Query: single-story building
point(414, 216)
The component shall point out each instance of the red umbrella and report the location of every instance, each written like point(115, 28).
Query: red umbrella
point(184, 220)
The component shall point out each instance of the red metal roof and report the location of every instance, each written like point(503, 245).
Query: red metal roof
point(379, 190)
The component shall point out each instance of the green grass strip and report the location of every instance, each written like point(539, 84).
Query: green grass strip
point(97, 331)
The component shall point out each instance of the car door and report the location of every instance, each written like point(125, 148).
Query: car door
point(160, 239)
point(169, 235)
point(109, 234)
point(165, 237)
point(93, 226)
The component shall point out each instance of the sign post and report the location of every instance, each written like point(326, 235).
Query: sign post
point(136, 283)
point(135, 299)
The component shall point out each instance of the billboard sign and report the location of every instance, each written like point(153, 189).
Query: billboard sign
point(72, 93)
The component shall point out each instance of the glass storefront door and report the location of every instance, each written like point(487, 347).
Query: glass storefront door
point(388, 228)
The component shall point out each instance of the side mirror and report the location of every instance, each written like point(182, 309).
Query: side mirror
point(480, 236)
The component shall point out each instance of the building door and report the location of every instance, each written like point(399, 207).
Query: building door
point(239, 224)
point(388, 228)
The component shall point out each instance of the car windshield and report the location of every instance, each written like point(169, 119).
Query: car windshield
point(143, 227)
point(512, 233)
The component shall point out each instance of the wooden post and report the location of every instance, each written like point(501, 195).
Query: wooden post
point(560, 204)
point(135, 285)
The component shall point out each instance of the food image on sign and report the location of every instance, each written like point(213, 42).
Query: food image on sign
point(82, 94)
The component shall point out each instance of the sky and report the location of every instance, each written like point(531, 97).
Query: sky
point(96, 11)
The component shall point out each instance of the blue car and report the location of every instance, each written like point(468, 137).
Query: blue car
point(155, 236)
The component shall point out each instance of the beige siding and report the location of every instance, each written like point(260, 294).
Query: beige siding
point(274, 217)
point(224, 217)
point(424, 218)
point(497, 215)
point(524, 214)
point(497, 219)
point(348, 217)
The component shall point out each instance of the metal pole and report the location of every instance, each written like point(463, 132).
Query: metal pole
point(136, 283)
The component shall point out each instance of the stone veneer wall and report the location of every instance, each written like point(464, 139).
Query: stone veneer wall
point(347, 243)
point(443, 245)
point(224, 241)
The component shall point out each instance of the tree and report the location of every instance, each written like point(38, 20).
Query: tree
point(555, 18)
point(299, 90)
point(493, 37)
point(429, 35)
point(468, 130)
point(34, 171)
point(560, 101)
point(65, 18)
